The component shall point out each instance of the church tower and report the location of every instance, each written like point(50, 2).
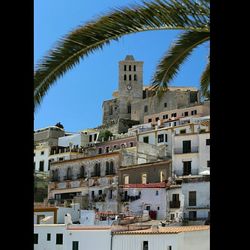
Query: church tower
point(130, 85)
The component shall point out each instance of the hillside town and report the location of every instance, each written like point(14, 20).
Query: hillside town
point(140, 180)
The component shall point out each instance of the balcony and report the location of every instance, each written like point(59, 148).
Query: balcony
point(174, 204)
point(186, 151)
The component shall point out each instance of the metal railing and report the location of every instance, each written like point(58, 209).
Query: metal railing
point(186, 151)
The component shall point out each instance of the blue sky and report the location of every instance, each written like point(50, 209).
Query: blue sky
point(76, 99)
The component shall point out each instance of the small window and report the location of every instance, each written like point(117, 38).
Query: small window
point(165, 116)
point(156, 192)
point(165, 104)
point(125, 77)
point(166, 137)
point(134, 67)
point(183, 131)
point(173, 115)
point(99, 192)
point(129, 108)
point(145, 139)
point(208, 164)
point(156, 119)
point(186, 113)
point(145, 109)
point(194, 112)
point(35, 238)
point(95, 136)
point(158, 208)
point(59, 239)
point(169, 248)
point(160, 138)
point(41, 166)
point(42, 152)
point(192, 198)
point(107, 149)
point(48, 237)
point(135, 77)
point(90, 136)
point(150, 120)
point(208, 142)
point(75, 245)
point(99, 151)
point(131, 144)
point(130, 77)
point(125, 67)
point(145, 245)
point(129, 67)
point(92, 194)
point(187, 169)
point(174, 123)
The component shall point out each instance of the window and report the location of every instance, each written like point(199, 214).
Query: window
point(165, 104)
point(42, 152)
point(107, 149)
point(39, 218)
point(135, 77)
point(174, 123)
point(194, 112)
point(145, 245)
point(110, 110)
point(169, 248)
point(192, 198)
point(59, 239)
point(82, 172)
point(144, 179)
point(145, 139)
point(173, 115)
point(150, 120)
point(144, 94)
point(129, 108)
point(92, 194)
point(95, 135)
point(131, 144)
point(129, 77)
point(134, 67)
point(160, 138)
point(126, 179)
point(110, 194)
point(35, 238)
point(186, 147)
point(48, 237)
point(183, 131)
point(166, 137)
point(69, 174)
point(129, 67)
point(158, 208)
point(75, 245)
point(111, 168)
point(186, 113)
point(208, 142)
point(192, 215)
point(187, 168)
point(175, 197)
point(165, 117)
point(125, 77)
point(145, 109)
point(60, 158)
point(41, 166)
point(49, 164)
point(156, 119)
point(90, 137)
point(99, 151)
point(208, 164)
point(125, 67)
point(156, 192)
point(99, 192)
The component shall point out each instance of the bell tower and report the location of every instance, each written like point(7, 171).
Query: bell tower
point(130, 85)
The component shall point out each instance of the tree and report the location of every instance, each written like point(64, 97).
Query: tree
point(104, 134)
point(189, 16)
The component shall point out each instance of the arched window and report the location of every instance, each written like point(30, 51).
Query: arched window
point(125, 68)
point(129, 77)
point(129, 68)
point(145, 108)
point(107, 168)
point(129, 108)
point(82, 172)
point(69, 174)
point(135, 77)
point(111, 167)
point(134, 67)
point(56, 175)
point(125, 77)
point(97, 169)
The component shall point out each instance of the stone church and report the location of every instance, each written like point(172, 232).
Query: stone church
point(133, 101)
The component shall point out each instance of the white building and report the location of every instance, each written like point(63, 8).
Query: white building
point(71, 237)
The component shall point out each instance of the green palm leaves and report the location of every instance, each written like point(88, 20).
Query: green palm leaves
point(188, 15)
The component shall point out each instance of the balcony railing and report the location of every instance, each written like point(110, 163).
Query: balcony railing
point(186, 151)
point(174, 204)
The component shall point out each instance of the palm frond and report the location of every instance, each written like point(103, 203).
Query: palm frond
point(205, 81)
point(157, 15)
point(176, 56)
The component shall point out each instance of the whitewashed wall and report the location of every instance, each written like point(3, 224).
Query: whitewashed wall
point(204, 151)
point(38, 157)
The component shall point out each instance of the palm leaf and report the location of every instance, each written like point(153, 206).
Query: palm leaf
point(205, 80)
point(176, 56)
point(158, 15)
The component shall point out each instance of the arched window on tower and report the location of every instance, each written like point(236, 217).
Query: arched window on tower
point(125, 67)
point(135, 77)
point(130, 78)
point(125, 77)
point(129, 68)
point(129, 108)
point(134, 67)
